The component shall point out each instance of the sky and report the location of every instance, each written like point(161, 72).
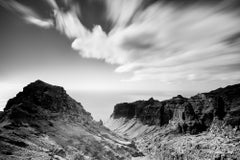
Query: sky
point(108, 51)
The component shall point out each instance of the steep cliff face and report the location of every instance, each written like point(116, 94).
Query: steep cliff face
point(42, 122)
point(205, 126)
point(192, 115)
point(177, 110)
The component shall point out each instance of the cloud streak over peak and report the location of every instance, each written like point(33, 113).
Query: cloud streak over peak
point(160, 40)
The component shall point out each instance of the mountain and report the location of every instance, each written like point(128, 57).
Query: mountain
point(44, 123)
point(205, 126)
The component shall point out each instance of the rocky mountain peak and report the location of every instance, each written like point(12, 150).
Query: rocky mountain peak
point(151, 100)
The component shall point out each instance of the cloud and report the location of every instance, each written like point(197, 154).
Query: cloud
point(28, 14)
point(39, 22)
point(121, 11)
point(166, 43)
point(159, 41)
point(69, 24)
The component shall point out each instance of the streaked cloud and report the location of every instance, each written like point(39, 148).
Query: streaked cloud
point(39, 22)
point(69, 24)
point(160, 41)
point(166, 43)
point(28, 14)
point(122, 11)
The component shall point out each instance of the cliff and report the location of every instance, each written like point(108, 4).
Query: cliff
point(192, 115)
point(205, 126)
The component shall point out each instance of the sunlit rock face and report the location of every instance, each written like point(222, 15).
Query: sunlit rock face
point(42, 122)
point(205, 126)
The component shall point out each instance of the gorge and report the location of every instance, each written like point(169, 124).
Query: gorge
point(44, 122)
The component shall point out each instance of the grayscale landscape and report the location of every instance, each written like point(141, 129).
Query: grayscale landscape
point(119, 80)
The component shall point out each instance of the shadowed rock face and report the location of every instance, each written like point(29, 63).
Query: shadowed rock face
point(43, 122)
point(192, 115)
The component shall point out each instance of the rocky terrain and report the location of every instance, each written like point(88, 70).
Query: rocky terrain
point(43, 123)
point(203, 127)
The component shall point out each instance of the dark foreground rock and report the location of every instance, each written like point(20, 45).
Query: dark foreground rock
point(43, 123)
point(205, 126)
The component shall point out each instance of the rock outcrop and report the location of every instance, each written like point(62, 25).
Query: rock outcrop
point(42, 122)
point(205, 126)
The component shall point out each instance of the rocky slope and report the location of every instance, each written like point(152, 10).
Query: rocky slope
point(205, 126)
point(43, 123)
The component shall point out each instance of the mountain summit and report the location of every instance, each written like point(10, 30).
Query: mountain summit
point(41, 101)
point(43, 122)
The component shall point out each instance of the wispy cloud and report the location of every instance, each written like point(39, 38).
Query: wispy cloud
point(122, 11)
point(39, 22)
point(159, 41)
point(167, 43)
point(28, 14)
point(69, 24)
